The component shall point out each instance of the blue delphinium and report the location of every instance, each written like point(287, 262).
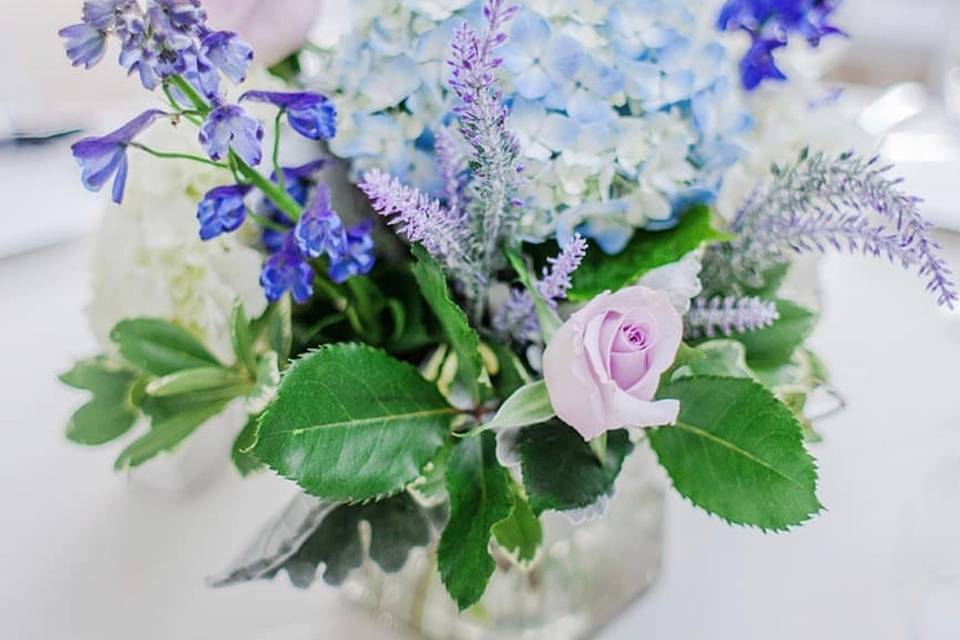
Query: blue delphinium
point(287, 270)
point(310, 114)
point(320, 231)
point(770, 23)
point(358, 256)
point(222, 210)
point(229, 127)
point(168, 44)
point(104, 157)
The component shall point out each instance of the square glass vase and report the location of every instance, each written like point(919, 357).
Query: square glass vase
point(586, 574)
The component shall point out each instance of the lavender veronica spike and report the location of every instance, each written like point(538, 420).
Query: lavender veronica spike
point(729, 316)
point(419, 219)
point(452, 166)
point(483, 122)
point(517, 316)
point(821, 202)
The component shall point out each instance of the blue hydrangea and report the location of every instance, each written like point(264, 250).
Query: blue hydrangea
point(626, 110)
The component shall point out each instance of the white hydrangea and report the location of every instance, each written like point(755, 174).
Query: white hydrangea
point(149, 259)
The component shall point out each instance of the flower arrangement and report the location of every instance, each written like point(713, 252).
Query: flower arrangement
point(542, 278)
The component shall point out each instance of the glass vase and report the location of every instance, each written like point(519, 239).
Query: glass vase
point(587, 573)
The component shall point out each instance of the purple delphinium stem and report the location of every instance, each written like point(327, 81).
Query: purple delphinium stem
point(729, 316)
point(452, 166)
point(822, 202)
point(483, 123)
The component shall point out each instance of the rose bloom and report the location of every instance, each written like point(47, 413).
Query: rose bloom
point(603, 366)
point(275, 28)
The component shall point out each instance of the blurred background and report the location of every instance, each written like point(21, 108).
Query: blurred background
point(82, 558)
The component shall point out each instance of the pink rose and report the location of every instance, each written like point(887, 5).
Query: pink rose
point(275, 28)
point(603, 366)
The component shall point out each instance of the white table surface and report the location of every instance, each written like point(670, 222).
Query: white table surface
point(85, 554)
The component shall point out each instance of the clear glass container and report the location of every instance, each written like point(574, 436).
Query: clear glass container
point(587, 573)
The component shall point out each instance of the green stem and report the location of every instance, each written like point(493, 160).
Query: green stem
point(281, 179)
point(178, 156)
point(266, 222)
point(599, 447)
point(192, 94)
point(278, 196)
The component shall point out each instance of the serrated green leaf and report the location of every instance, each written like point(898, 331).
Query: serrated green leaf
point(547, 316)
point(159, 347)
point(190, 380)
point(646, 251)
point(520, 534)
point(480, 497)
point(461, 336)
point(350, 423)
point(172, 420)
point(110, 413)
point(243, 461)
point(309, 534)
point(738, 453)
point(528, 405)
point(774, 345)
point(561, 472)
point(242, 338)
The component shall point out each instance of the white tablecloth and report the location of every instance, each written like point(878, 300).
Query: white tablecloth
point(86, 555)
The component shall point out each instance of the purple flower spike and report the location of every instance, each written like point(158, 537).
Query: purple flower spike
point(85, 44)
point(230, 127)
point(359, 255)
point(285, 271)
point(320, 230)
point(101, 158)
point(310, 114)
point(228, 53)
point(222, 210)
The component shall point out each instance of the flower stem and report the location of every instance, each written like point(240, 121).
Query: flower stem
point(178, 156)
point(278, 196)
point(599, 447)
point(277, 171)
point(192, 94)
point(266, 222)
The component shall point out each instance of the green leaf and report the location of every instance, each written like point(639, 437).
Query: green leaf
point(520, 534)
point(547, 316)
point(159, 347)
point(190, 380)
point(513, 373)
point(528, 405)
point(646, 251)
point(242, 338)
point(461, 336)
point(738, 453)
point(245, 462)
point(275, 327)
point(561, 472)
point(310, 533)
point(265, 386)
point(722, 358)
point(480, 497)
point(774, 345)
point(350, 423)
point(110, 413)
point(172, 420)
